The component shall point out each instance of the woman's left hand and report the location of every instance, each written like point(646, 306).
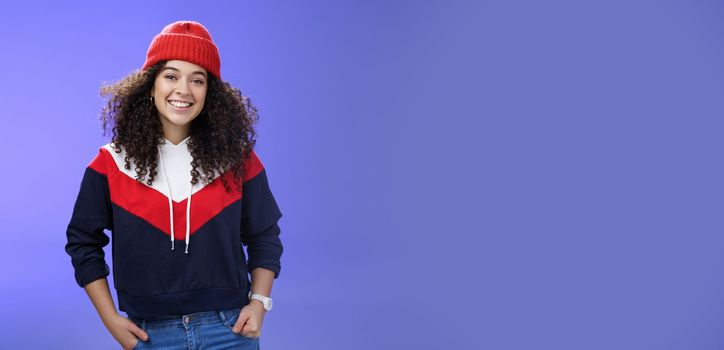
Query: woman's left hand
point(250, 319)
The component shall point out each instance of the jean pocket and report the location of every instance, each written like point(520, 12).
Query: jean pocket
point(138, 322)
point(230, 318)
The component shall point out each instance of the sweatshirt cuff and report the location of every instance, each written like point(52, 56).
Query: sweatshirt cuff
point(91, 272)
point(267, 263)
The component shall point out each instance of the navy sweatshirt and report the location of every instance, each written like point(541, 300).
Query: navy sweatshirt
point(203, 267)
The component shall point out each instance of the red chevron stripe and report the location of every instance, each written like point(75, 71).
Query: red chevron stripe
point(144, 201)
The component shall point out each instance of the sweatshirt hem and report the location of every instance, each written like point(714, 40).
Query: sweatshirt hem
point(182, 303)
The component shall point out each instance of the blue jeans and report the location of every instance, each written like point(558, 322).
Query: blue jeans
point(210, 330)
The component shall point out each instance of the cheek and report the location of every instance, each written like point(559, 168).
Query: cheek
point(201, 96)
point(158, 85)
point(160, 91)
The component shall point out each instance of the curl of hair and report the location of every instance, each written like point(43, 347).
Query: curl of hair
point(222, 135)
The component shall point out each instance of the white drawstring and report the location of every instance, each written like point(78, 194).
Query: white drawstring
point(188, 216)
point(170, 205)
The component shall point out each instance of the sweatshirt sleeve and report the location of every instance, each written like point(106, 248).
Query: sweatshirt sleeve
point(259, 216)
point(92, 214)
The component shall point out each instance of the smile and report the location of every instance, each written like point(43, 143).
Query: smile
point(180, 105)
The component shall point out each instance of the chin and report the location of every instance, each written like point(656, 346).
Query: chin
point(179, 121)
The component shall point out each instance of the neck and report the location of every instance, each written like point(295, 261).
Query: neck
point(175, 133)
point(175, 140)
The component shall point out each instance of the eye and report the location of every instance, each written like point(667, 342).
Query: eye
point(170, 76)
point(199, 81)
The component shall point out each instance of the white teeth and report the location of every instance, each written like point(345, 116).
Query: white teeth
point(179, 104)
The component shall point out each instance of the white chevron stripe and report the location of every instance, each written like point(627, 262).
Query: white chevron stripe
point(177, 160)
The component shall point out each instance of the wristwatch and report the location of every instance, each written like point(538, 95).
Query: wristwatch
point(266, 301)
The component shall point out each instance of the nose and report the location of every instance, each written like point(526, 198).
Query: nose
point(182, 88)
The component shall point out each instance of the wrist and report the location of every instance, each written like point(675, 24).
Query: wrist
point(109, 317)
point(265, 301)
point(257, 303)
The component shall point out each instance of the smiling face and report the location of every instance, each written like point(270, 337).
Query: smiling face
point(179, 92)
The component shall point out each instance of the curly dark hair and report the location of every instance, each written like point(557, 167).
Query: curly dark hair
point(222, 135)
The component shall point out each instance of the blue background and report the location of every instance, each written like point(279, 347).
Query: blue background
point(453, 175)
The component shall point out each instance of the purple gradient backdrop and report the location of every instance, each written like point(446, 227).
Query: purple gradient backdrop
point(453, 175)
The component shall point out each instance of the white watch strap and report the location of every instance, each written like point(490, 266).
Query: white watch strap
point(265, 300)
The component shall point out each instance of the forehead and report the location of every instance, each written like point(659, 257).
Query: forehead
point(184, 67)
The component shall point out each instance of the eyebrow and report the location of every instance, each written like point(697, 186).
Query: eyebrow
point(196, 72)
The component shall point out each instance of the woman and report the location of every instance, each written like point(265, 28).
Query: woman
point(181, 164)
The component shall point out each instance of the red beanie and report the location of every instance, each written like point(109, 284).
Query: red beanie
point(186, 41)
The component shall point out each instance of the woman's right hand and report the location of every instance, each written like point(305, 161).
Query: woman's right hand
point(125, 331)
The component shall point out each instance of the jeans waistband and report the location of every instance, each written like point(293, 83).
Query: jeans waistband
point(196, 317)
